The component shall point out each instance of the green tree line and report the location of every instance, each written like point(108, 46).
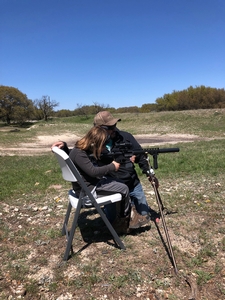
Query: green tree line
point(199, 97)
point(16, 107)
point(192, 98)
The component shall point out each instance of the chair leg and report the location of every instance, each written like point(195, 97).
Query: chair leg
point(70, 234)
point(72, 231)
point(64, 229)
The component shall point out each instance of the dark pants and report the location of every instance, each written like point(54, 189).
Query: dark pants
point(107, 186)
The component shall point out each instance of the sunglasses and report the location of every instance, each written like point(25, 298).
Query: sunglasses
point(109, 127)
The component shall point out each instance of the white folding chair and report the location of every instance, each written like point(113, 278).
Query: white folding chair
point(71, 174)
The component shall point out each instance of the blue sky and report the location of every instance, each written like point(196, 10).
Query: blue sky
point(111, 52)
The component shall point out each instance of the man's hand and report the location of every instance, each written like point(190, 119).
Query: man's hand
point(156, 182)
point(132, 158)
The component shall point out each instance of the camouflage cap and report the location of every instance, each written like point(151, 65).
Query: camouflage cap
point(105, 118)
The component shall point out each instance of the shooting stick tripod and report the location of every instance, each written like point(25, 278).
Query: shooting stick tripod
point(161, 208)
point(154, 184)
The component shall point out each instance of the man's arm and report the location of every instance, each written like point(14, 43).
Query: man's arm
point(140, 159)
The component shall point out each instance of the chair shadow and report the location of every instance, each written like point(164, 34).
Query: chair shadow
point(94, 230)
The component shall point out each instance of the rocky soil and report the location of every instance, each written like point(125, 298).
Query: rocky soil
point(31, 253)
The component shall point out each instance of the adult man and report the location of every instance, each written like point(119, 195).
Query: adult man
point(126, 172)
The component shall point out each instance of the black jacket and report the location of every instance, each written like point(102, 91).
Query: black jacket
point(125, 142)
point(126, 172)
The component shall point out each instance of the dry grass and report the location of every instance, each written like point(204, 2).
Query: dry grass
point(191, 187)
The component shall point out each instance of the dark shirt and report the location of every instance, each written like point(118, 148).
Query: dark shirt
point(127, 172)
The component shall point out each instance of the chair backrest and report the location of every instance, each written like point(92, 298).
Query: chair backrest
point(63, 160)
point(70, 171)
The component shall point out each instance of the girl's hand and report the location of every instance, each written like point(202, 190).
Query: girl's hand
point(116, 164)
point(58, 144)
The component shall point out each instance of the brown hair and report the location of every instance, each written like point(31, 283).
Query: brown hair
point(93, 141)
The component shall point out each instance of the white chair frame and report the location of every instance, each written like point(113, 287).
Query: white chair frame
point(71, 174)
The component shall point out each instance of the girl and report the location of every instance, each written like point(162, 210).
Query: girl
point(85, 156)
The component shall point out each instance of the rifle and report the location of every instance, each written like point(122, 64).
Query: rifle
point(122, 152)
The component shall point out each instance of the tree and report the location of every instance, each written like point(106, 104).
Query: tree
point(63, 113)
point(145, 108)
point(85, 110)
point(82, 110)
point(99, 107)
point(45, 106)
point(128, 109)
point(14, 105)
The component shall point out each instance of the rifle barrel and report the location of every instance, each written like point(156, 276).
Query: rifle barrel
point(161, 150)
point(167, 150)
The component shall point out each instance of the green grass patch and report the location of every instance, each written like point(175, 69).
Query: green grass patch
point(35, 174)
point(194, 159)
point(22, 175)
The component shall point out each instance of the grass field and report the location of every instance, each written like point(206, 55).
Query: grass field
point(33, 200)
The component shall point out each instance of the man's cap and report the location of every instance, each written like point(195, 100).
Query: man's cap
point(105, 118)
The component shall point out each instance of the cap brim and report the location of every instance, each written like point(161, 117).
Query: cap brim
point(112, 122)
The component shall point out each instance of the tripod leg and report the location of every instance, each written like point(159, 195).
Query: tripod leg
point(159, 202)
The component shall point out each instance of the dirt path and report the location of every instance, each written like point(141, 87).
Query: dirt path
point(43, 143)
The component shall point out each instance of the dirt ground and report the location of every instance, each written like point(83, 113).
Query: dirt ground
point(144, 271)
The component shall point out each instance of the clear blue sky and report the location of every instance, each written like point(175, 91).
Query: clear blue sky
point(113, 52)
